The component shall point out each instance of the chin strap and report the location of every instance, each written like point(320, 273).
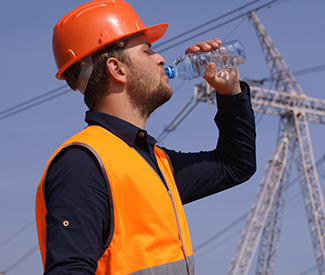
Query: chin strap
point(86, 64)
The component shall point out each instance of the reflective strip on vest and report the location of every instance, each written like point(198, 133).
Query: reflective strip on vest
point(174, 268)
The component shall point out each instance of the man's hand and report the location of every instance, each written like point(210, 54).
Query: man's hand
point(225, 82)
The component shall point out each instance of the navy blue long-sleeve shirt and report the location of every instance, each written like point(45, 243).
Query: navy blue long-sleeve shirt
point(75, 189)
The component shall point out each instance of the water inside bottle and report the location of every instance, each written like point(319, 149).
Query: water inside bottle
point(193, 65)
point(229, 61)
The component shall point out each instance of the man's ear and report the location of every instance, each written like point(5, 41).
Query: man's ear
point(116, 69)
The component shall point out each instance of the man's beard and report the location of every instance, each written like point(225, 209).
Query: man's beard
point(145, 93)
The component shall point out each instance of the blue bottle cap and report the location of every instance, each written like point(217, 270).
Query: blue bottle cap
point(169, 72)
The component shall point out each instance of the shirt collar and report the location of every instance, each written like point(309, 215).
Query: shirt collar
point(121, 128)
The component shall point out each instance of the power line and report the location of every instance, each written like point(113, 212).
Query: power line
point(204, 24)
point(235, 28)
point(50, 95)
point(309, 70)
point(30, 252)
point(268, 4)
point(28, 104)
point(237, 221)
point(297, 73)
point(30, 100)
point(23, 258)
point(210, 29)
point(218, 244)
point(17, 233)
point(221, 232)
point(203, 32)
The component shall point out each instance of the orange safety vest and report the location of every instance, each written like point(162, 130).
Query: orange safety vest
point(149, 233)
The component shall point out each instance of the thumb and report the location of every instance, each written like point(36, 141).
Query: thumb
point(211, 70)
point(211, 75)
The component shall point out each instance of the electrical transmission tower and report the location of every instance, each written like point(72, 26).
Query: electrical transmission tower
point(264, 221)
point(295, 109)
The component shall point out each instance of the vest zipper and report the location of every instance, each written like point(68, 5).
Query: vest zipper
point(179, 228)
point(165, 183)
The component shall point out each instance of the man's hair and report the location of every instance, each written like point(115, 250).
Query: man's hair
point(99, 80)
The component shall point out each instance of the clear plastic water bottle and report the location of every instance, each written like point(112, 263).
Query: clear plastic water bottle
point(193, 65)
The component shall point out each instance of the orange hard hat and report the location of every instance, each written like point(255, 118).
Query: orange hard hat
point(94, 25)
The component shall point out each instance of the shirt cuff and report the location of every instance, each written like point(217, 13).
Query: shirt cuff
point(235, 105)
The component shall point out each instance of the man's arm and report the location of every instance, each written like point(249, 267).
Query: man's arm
point(233, 161)
point(77, 219)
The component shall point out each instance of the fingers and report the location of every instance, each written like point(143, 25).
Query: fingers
point(204, 46)
point(226, 81)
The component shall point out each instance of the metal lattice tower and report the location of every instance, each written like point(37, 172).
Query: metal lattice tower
point(296, 109)
point(264, 221)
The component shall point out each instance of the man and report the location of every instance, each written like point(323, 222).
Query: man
point(110, 201)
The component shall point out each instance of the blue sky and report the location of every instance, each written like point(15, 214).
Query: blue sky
point(28, 138)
